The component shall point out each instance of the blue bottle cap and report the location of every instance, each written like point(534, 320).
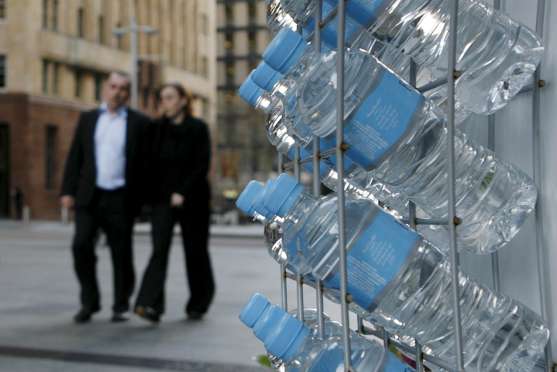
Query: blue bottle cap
point(282, 194)
point(250, 91)
point(286, 341)
point(259, 206)
point(285, 50)
point(247, 200)
point(266, 325)
point(265, 76)
point(254, 309)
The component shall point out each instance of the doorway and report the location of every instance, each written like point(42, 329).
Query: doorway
point(4, 170)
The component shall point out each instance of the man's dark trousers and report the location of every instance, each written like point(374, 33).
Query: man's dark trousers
point(107, 212)
point(111, 211)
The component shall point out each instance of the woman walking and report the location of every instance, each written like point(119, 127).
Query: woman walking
point(179, 194)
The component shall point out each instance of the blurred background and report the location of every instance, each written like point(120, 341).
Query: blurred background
point(55, 54)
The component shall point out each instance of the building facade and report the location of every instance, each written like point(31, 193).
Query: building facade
point(54, 56)
point(244, 152)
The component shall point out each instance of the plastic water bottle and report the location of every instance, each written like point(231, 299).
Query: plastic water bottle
point(357, 179)
point(398, 135)
point(299, 348)
point(496, 54)
point(400, 281)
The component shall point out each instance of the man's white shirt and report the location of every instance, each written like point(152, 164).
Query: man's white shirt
point(110, 148)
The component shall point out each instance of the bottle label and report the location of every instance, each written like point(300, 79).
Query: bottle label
point(381, 121)
point(366, 12)
point(375, 259)
point(329, 32)
point(328, 360)
point(333, 360)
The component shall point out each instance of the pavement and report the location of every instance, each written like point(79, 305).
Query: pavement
point(38, 293)
point(254, 231)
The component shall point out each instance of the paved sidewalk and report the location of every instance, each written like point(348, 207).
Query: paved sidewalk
point(39, 298)
point(254, 231)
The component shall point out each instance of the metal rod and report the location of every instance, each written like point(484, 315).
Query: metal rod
point(451, 180)
point(340, 183)
point(283, 288)
point(495, 272)
point(432, 85)
point(316, 181)
point(380, 332)
point(300, 296)
point(360, 324)
point(541, 252)
point(283, 276)
point(419, 357)
point(299, 279)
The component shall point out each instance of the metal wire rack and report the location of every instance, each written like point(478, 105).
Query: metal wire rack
point(413, 349)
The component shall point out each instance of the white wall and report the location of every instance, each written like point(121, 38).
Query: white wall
point(514, 143)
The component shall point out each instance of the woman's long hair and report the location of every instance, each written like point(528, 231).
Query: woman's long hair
point(182, 92)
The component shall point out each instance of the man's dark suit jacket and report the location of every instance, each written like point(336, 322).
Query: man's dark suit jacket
point(80, 172)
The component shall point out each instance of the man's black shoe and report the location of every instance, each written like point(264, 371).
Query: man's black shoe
point(83, 316)
point(194, 315)
point(119, 317)
point(148, 313)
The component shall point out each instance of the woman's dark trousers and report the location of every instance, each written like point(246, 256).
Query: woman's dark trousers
point(194, 225)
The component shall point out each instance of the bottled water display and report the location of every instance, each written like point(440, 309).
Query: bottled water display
point(298, 346)
point(400, 138)
point(496, 55)
point(400, 281)
point(395, 141)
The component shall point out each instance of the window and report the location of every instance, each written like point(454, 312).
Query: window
point(46, 68)
point(229, 42)
point(204, 66)
point(228, 13)
point(55, 15)
point(2, 71)
point(56, 78)
point(2, 9)
point(119, 38)
point(252, 11)
point(80, 22)
point(230, 73)
point(51, 139)
point(45, 13)
point(100, 29)
point(78, 77)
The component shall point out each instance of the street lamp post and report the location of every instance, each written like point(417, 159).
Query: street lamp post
point(134, 29)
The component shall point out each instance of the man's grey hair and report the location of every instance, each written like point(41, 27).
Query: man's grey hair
point(124, 75)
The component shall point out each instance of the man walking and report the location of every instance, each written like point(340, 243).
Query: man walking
point(102, 181)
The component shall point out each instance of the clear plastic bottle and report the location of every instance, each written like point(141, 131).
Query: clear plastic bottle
point(400, 137)
point(401, 281)
point(298, 347)
point(496, 55)
point(357, 180)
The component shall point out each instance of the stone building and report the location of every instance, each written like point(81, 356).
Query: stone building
point(244, 152)
point(54, 55)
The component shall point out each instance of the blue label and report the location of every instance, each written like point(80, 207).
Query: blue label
point(393, 364)
point(365, 12)
point(306, 153)
point(329, 32)
point(381, 120)
point(332, 360)
point(375, 259)
point(328, 360)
